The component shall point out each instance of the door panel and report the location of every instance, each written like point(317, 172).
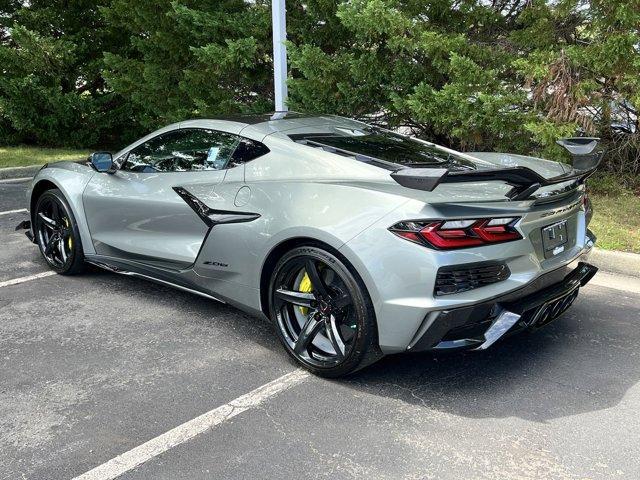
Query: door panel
point(138, 216)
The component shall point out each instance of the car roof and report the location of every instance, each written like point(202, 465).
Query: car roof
point(254, 119)
point(260, 126)
point(257, 127)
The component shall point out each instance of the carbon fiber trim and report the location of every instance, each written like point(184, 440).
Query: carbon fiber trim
point(210, 216)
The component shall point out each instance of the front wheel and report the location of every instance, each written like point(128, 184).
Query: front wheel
point(56, 233)
point(322, 312)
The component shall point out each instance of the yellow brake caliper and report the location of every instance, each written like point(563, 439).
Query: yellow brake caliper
point(69, 241)
point(306, 287)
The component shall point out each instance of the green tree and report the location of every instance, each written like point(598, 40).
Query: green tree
point(191, 58)
point(51, 87)
point(581, 60)
point(509, 75)
point(438, 67)
point(501, 75)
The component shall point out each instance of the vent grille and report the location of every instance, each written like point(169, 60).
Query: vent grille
point(462, 278)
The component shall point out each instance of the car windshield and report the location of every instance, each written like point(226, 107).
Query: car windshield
point(394, 150)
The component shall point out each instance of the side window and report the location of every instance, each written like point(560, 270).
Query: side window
point(183, 151)
point(246, 151)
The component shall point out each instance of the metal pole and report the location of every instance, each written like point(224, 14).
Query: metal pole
point(279, 22)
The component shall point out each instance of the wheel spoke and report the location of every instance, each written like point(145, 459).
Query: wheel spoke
point(333, 335)
point(307, 334)
point(48, 222)
point(302, 299)
point(55, 212)
point(61, 248)
point(314, 276)
point(50, 244)
point(59, 213)
point(342, 301)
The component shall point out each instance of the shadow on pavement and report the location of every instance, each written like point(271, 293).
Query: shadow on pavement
point(584, 361)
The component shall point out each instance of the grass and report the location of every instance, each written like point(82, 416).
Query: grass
point(616, 221)
point(24, 156)
point(616, 205)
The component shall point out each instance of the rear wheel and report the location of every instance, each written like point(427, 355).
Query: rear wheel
point(56, 233)
point(322, 312)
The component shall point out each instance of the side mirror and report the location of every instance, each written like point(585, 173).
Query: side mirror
point(102, 161)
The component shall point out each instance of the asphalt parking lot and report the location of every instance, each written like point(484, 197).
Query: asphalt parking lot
point(93, 366)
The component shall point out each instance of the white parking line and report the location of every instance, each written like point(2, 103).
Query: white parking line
point(182, 433)
point(16, 281)
point(8, 212)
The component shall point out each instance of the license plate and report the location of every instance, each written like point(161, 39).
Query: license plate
point(554, 238)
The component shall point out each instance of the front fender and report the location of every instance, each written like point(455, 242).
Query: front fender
point(71, 179)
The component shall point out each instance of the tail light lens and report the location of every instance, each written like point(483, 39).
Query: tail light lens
point(452, 234)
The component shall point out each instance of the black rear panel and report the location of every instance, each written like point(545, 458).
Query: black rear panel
point(460, 278)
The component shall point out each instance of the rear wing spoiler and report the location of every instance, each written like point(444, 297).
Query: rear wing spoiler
point(523, 180)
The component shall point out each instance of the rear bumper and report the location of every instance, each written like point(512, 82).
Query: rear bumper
point(401, 276)
point(479, 326)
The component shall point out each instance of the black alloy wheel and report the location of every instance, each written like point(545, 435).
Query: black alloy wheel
point(57, 234)
point(323, 313)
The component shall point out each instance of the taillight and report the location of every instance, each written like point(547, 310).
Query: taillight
point(451, 234)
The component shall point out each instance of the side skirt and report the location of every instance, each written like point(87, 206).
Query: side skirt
point(173, 279)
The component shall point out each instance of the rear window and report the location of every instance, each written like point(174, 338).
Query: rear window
point(394, 150)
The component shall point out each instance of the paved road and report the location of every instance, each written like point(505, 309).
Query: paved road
point(12, 195)
point(95, 365)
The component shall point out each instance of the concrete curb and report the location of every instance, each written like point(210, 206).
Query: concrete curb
point(29, 171)
point(622, 263)
point(19, 172)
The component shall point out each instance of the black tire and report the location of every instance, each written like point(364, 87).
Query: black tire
point(56, 233)
point(339, 318)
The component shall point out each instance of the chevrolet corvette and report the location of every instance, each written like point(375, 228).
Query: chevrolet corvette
point(355, 241)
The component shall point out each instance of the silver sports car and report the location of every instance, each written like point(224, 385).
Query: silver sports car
point(354, 241)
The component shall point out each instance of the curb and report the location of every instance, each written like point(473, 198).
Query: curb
point(29, 171)
point(19, 172)
point(622, 263)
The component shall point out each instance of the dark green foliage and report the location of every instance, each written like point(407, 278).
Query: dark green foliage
point(423, 65)
point(51, 87)
point(502, 75)
point(510, 75)
point(191, 58)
